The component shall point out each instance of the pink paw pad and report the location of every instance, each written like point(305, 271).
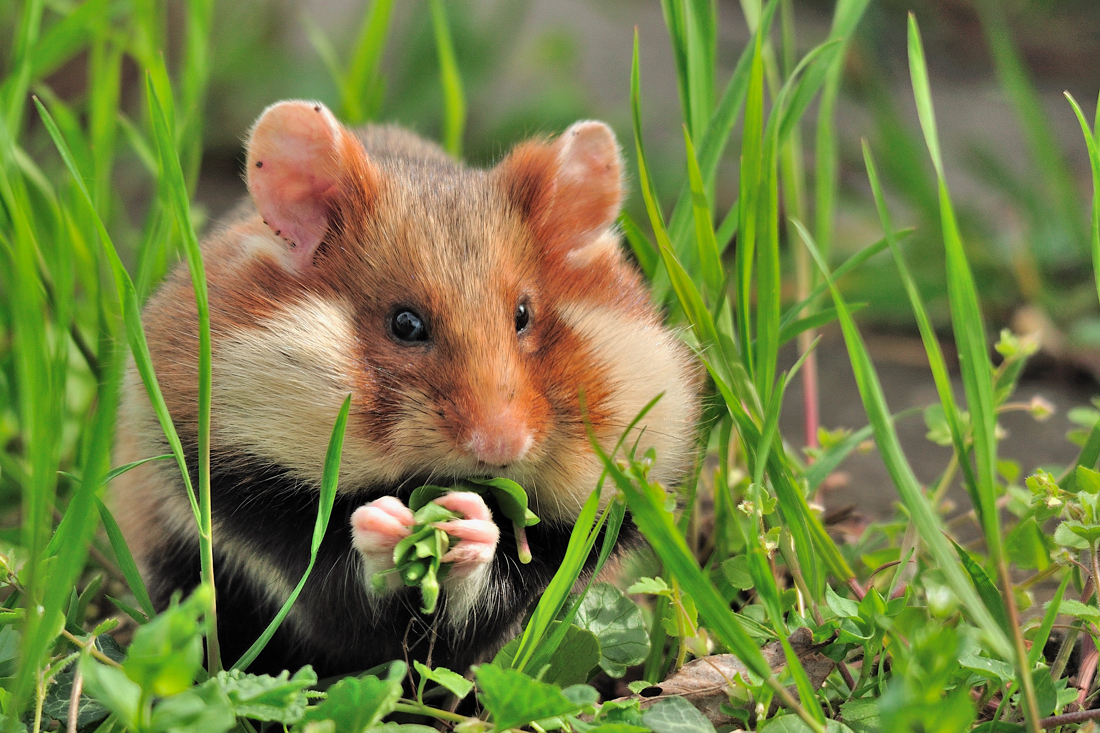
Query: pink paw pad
point(476, 532)
point(379, 525)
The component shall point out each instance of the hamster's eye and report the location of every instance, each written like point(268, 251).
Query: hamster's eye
point(523, 317)
point(407, 325)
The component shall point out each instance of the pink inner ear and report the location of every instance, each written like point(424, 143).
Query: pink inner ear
point(589, 177)
point(294, 169)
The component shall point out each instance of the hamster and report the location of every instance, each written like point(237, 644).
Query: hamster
point(465, 311)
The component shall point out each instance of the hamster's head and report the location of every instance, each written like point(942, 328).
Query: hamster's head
point(478, 318)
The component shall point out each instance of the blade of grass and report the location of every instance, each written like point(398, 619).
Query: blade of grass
point(1061, 194)
point(847, 266)
point(125, 560)
point(931, 342)
point(1094, 161)
point(581, 541)
point(710, 259)
point(172, 177)
point(330, 476)
point(362, 77)
point(710, 150)
point(454, 100)
point(970, 338)
point(131, 312)
point(643, 249)
point(926, 520)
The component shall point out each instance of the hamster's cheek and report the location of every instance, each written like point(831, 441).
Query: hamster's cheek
point(279, 384)
point(639, 360)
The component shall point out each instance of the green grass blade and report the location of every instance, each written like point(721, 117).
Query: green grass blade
point(454, 99)
point(1094, 161)
point(966, 317)
point(985, 587)
point(686, 292)
point(362, 78)
point(644, 251)
point(1041, 637)
point(846, 17)
point(710, 259)
point(817, 320)
point(330, 476)
point(127, 295)
point(936, 362)
point(172, 177)
point(710, 149)
point(646, 506)
point(850, 264)
point(125, 560)
point(977, 373)
point(751, 168)
point(581, 541)
point(924, 517)
point(1061, 196)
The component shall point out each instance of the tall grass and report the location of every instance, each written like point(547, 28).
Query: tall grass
point(914, 648)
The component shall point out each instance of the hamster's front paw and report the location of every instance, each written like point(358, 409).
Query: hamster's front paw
point(376, 528)
point(476, 532)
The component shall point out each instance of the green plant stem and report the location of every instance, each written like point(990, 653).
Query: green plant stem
point(1080, 716)
point(100, 656)
point(416, 708)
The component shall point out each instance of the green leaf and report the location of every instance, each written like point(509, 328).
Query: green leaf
point(655, 586)
point(514, 699)
point(676, 715)
point(113, 688)
point(204, 709)
point(512, 499)
point(861, 716)
point(571, 659)
point(125, 559)
point(1066, 537)
point(618, 624)
point(262, 697)
point(987, 589)
point(736, 572)
point(356, 703)
point(58, 698)
point(452, 681)
point(1045, 695)
point(1088, 480)
point(1026, 547)
point(166, 653)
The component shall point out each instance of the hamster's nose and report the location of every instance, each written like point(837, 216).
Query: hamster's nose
point(500, 438)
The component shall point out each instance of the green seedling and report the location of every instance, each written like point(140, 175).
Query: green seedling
point(510, 497)
point(418, 557)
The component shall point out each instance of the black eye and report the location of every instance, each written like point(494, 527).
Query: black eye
point(523, 317)
point(407, 325)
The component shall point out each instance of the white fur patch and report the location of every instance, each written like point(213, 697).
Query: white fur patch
point(642, 360)
point(278, 387)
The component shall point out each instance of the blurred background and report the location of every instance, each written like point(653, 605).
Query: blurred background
point(1016, 161)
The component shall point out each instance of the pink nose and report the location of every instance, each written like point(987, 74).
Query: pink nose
point(500, 440)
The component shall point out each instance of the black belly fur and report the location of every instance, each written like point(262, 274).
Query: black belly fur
point(336, 629)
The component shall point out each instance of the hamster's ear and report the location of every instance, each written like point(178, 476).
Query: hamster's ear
point(571, 188)
point(301, 164)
